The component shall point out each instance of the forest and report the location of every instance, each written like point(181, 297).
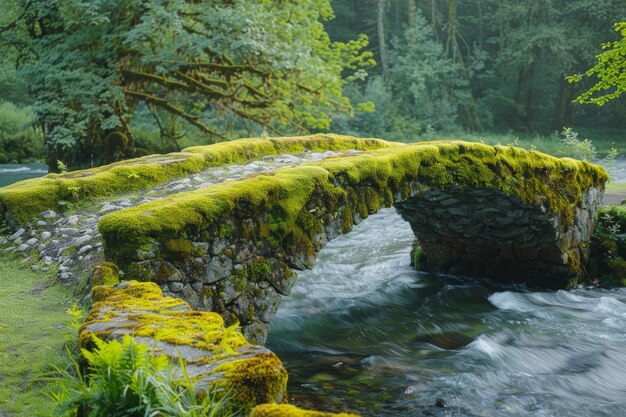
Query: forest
point(90, 82)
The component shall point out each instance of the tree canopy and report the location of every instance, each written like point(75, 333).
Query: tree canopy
point(108, 79)
point(92, 63)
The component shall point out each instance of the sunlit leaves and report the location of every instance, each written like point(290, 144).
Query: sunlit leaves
point(610, 71)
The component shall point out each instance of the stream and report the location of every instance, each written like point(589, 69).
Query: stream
point(10, 173)
point(365, 332)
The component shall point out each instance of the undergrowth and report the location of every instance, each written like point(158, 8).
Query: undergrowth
point(127, 379)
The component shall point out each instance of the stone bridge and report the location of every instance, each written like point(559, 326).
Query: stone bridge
point(499, 212)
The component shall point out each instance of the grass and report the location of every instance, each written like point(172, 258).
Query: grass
point(32, 330)
point(552, 145)
point(616, 188)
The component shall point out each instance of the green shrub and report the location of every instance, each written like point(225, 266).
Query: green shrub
point(19, 141)
point(126, 379)
point(577, 148)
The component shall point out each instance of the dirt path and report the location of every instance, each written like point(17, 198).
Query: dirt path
point(613, 198)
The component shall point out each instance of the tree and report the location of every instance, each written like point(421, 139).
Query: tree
point(91, 63)
point(610, 70)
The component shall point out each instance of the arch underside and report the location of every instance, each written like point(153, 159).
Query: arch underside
point(484, 232)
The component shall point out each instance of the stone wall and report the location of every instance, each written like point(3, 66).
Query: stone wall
point(243, 270)
point(486, 233)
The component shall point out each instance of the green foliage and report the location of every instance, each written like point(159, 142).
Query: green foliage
point(610, 71)
point(61, 167)
point(426, 85)
point(127, 379)
point(608, 248)
point(214, 64)
point(423, 90)
point(495, 65)
point(76, 317)
point(577, 148)
point(19, 140)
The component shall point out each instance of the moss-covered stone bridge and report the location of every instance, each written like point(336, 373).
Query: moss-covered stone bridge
point(488, 211)
point(230, 248)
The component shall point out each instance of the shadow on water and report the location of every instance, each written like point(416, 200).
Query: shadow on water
point(365, 332)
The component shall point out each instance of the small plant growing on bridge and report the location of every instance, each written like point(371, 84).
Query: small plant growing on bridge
point(61, 167)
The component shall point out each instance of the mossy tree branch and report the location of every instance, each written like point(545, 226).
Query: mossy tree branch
point(166, 105)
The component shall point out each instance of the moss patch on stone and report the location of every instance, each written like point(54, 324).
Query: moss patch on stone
point(249, 376)
point(367, 180)
point(243, 150)
point(23, 201)
point(286, 410)
point(283, 194)
point(557, 184)
point(107, 274)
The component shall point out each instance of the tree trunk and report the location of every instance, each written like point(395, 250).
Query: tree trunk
point(452, 20)
point(568, 114)
point(384, 61)
point(557, 116)
point(530, 114)
point(411, 10)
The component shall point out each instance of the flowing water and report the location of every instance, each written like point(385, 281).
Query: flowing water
point(10, 173)
point(363, 331)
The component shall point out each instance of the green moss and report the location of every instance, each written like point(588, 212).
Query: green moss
point(179, 249)
point(208, 208)
point(107, 273)
point(416, 254)
point(359, 183)
point(139, 272)
point(163, 273)
point(226, 230)
point(286, 410)
point(372, 199)
point(258, 380)
point(617, 267)
point(247, 149)
point(607, 265)
point(250, 379)
point(260, 270)
point(69, 250)
point(536, 178)
point(346, 220)
point(25, 200)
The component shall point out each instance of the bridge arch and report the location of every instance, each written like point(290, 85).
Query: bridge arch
point(500, 212)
